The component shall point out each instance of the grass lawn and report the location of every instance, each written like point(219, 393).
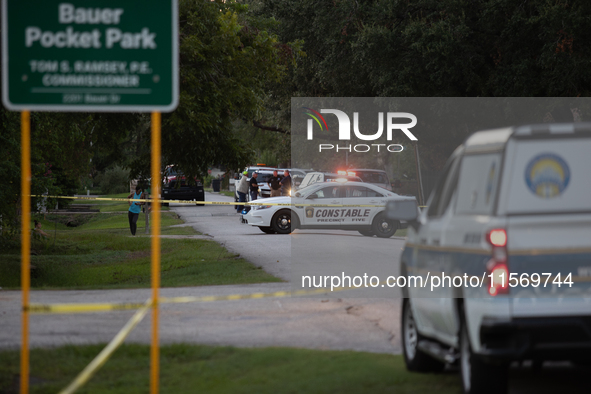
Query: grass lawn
point(101, 253)
point(110, 206)
point(223, 192)
point(208, 369)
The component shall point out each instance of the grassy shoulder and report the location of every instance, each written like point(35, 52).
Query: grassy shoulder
point(109, 206)
point(196, 368)
point(223, 192)
point(101, 253)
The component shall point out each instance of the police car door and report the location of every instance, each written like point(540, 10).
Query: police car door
point(432, 305)
point(326, 216)
point(357, 215)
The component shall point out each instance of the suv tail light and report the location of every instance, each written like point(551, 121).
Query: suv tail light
point(497, 237)
point(498, 269)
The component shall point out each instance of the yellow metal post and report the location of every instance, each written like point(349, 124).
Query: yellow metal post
point(155, 188)
point(25, 244)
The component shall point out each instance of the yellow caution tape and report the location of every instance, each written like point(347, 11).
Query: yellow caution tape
point(80, 308)
point(212, 202)
point(106, 307)
point(233, 297)
point(104, 355)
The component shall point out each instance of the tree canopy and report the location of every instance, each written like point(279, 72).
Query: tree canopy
point(227, 61)
point(434, 48)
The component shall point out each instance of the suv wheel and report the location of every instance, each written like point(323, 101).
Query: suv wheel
point(415, 359)
point(383, 227)
point(281, 222)
point(477, 376)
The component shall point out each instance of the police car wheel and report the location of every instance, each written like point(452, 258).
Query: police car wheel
point(477, 376)
point(267, 230)
point(414, 358)
point(383, 227)
point(281, 222)
point(295, 222)
point(366, 233)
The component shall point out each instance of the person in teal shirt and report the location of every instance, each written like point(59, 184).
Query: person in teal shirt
point(134, 208)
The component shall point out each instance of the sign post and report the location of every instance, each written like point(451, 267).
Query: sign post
point(90, 56)
point(25, 245)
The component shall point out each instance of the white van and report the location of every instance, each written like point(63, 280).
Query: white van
point(511, 215)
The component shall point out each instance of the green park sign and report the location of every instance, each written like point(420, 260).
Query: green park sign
point(90, 55)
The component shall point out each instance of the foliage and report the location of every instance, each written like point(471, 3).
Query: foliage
point(62, 147)
point(114, 180)
point(207, 180)
point(227, 60)
point(453, 48)
point(271, 148)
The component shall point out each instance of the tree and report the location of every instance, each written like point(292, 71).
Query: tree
point(61, 151)
point(433, 48)
point(227, 60)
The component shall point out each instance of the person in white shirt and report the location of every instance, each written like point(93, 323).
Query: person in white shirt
point(242, 189)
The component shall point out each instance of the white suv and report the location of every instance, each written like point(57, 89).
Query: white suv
point(511, 215)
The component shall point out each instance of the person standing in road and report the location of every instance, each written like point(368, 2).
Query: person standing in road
point(134, 208)
point(275, 185)
point(286, 184)
point(254, 186)
point(242, 189)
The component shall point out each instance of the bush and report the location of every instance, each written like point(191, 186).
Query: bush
point(207, 180)
point(114, 180)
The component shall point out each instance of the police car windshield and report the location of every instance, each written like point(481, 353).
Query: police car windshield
point(308, 189)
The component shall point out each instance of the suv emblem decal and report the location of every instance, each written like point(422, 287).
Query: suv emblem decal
point(547, 175)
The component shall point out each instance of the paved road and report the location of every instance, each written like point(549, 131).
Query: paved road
point(272, 252)
point(303, 253)
point(310, 323)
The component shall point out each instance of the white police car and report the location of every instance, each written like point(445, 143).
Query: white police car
point(364, 210)
point(512, 216)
